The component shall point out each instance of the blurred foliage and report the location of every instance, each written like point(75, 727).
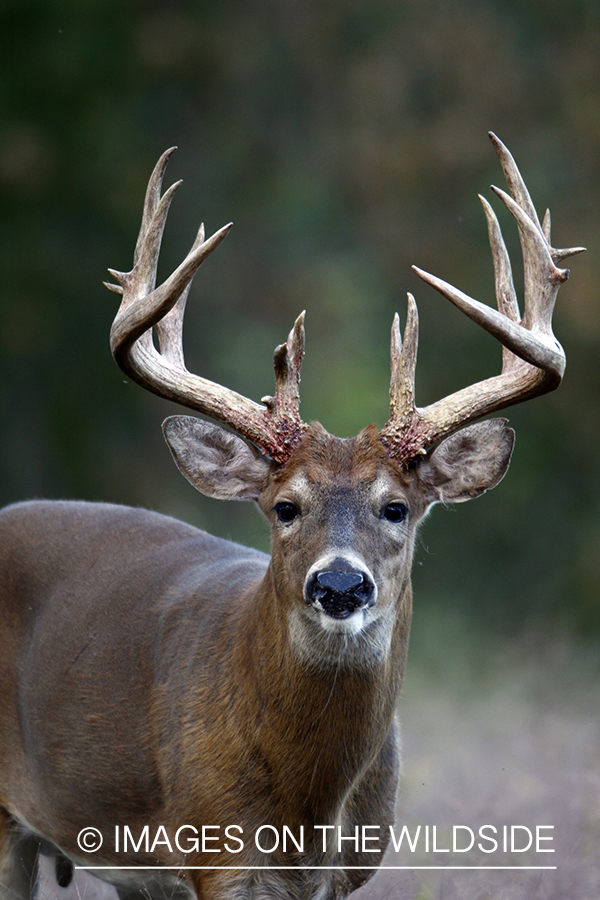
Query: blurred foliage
point(347, 140)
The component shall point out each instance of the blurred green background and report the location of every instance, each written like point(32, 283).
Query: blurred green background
point(347, 140)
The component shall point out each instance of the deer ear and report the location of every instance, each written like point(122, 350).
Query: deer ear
point(467, 463)
point(217, 462)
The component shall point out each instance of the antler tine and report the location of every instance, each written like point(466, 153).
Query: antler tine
point(287, 362)
point(169, 329)
point(541, 277)
point(534, 350)
point(275, 428)
point(506, 295)
point(514, 180)
point(403, 353)
point(518, 190)
point(152, 201)
point(403, 436)
point(533, 360)
point(558, 255)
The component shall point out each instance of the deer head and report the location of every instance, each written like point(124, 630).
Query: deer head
point(319, 491)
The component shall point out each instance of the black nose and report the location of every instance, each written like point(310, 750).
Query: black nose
point(340, 591)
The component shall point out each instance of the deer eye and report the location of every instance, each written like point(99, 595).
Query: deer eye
point(395, 512)
point(286, 512)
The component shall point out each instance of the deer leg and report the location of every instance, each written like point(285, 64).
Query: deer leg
point(19, 854)
point(63, 868)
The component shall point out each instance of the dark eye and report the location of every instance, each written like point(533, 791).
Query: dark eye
point(395, 512)
point(286, 512)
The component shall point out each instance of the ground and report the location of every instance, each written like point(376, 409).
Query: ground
point(502, 732)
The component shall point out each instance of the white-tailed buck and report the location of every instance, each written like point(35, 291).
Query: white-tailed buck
point(199, 703)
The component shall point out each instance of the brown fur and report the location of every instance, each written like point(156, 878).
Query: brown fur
point(154, 675)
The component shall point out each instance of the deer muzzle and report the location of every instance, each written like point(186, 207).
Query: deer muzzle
point(340, 589)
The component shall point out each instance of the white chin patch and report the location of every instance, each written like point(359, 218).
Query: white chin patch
point(363, 638)
point(352, 624)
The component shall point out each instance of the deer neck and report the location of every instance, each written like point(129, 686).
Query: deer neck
point(318, 724)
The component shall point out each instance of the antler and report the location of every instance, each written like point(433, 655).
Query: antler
point(533, 362)
point(275, 425)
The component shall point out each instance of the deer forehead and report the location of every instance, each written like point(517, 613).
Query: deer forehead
point(334, 491)
point(322, 455)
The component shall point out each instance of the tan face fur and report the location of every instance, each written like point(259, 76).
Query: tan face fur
point(341, 490)
point(341, 511)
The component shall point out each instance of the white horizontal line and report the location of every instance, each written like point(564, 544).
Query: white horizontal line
point(267, 868)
